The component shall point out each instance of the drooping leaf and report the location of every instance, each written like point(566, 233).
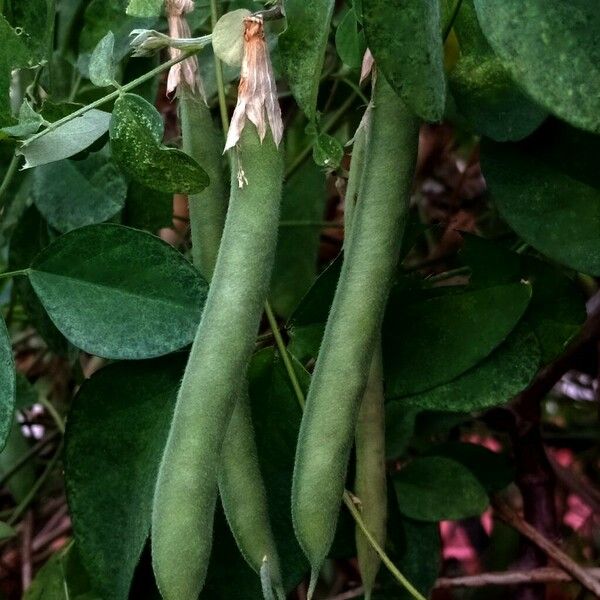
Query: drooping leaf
point(483, 89)
point(7, 384)
point(495, 381)
point(297, 248)
point(71, 193)
point(552, 49)
point(118, 292)
point(65, 140)
point(437, 489)
point(136, 131)
point(405, 37)
point(102, 68)
point(116, 432)
point(13, 53)
point(548, 191)
point(428, 342)
point(145, 8)
point(302, 49)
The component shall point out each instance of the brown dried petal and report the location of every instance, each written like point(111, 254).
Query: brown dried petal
point(257, 92)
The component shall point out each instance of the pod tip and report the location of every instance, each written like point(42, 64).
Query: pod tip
point(314, 578)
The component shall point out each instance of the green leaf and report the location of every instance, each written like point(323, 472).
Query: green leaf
point(116, 432)
point(428, 342)
point(492, 469)
point(72, 193)
point(147, 209)
point(438, 489)
point(29, 122)
point(228, 37)
point(405, 38)
point(20, 483)
point(349, 42)
point(484, 90)
point(13, 53)
point(7, 384)
point(557, 308)
point(302, 49)
point(119, 293)
point(136, 131)
point(102, 68)
point(145, 8)
point(327, 151)
point(36, 19)
point(66, 140)
point(551, 49)
point(6, 531)
point(295, 266)
point(493, 382)
point(552, 203)
point(399, 427)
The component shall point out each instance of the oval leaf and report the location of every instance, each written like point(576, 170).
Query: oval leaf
point(302, 49)
point(102, 69)
point(438, 489)
point(114, 441)
point(118, 292)
point(71, 194)
point(429, 342)
point(405, 37)
point(495, 381)
point(66, 140)
point(552, 204)
point(228, 37)
point(551, 49)
point(135, 137)
point(8, 384)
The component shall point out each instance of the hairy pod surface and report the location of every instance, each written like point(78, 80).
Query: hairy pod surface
point(186, 489)
point(370, 483)
point(203, 142)
point(243, 494)
point(342, 368)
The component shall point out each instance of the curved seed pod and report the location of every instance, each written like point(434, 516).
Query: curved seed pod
point(370, 484)
point(243, 495)
point(203, 142)
point(186, 487)
point(342, 368)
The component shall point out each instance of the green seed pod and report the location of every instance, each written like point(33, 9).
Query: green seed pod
point(203, 142)
point(243, 494)
point(342, 368)
point(370, 483)
point(186, 487)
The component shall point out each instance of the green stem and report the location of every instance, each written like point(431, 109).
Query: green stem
point(58, 420)
point(384, 557)
point(8, 274)
point(284, 354)
point(113, 95)
point(9, 176)
point(214, 17)
point(24, 504)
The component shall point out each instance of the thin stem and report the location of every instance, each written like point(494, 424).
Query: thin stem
point(284, 354)
point(453, 16)
point(24, 504)
point(9, 176)
point(125, 88)
point(329, 125)
point(8, 274)
point(58, 420)
point(347, 496)
point(384, 557)
point(214, 17)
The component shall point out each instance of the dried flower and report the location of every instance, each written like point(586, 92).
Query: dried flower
point(367, 65)
point(257, 93)
point(186, 71)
